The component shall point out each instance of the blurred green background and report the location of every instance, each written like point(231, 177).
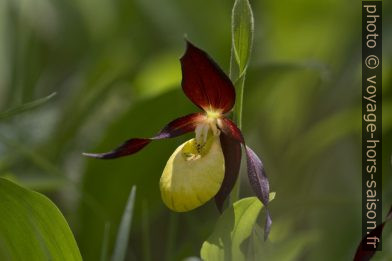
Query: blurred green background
point(114, 65)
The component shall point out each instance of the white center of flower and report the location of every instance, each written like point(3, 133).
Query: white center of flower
point(209, 124)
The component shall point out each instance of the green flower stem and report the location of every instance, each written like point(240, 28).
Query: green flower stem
point(239, 99)
point(242, 23)
point(239, 85)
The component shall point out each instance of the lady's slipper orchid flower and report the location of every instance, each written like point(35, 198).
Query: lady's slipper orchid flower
point(208, 165)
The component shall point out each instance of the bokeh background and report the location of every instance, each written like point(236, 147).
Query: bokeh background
point(114, 66)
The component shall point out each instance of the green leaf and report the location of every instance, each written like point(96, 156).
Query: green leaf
point(125, 226)
point(232, 229)
point(25, 107)
point(242, 33)
point(32, 227)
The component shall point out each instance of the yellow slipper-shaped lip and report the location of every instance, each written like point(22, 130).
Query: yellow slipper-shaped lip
point(193, 174)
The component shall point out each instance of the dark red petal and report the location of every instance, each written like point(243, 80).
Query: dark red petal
point(205, 84)
point(180, 126)
point(230, 128)
point(362, 253)
point(173, 129)
point(232, 153)
point(129, 147)
point(256, 173)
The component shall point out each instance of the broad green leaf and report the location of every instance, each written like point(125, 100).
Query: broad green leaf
point(232, 229)
point(25, 107)
point(120, 249)
point(242, 33)
point(32, 227)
